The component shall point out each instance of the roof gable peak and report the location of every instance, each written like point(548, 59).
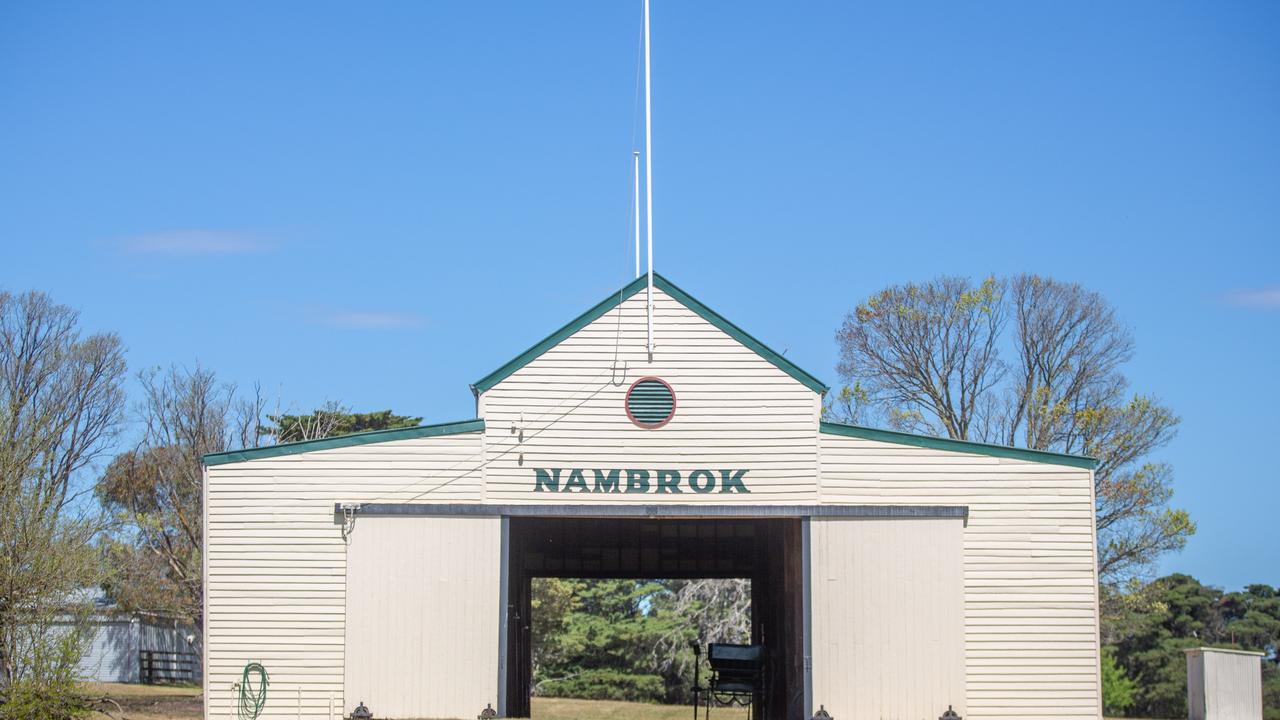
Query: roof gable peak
point(623, 294)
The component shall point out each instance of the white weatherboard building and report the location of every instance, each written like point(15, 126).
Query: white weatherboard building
point(892, 575)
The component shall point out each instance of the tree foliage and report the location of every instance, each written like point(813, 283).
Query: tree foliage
point(1117, 688)
point(927, 354)
point(330, 420)
point(1148, 628)
point(598, 653)
point(61, 404)
point(1026, 361)
point(154, 490)
point(630, 639)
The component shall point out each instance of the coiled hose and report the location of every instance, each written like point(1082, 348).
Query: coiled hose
point(253, 697)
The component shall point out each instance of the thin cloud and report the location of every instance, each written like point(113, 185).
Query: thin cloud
point(362, 320)
point(1266, 298)
point(195, 242)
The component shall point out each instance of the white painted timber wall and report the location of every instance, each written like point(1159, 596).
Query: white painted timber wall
point(887, 617)
point(422, 615)
point(1030, 591)
point(276, 579)
point(734, 410)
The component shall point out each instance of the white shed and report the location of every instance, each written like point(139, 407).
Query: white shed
point(893, 575)
point(1224, 684)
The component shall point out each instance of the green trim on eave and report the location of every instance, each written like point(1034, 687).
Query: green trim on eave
point(964, 446)
point(741, 335)
point(364, 438)
point(616, 299)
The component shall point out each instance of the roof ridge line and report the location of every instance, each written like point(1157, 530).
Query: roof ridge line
point(617, 298)
point(361, 438)
point(970, 446)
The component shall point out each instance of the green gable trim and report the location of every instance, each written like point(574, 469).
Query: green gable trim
point(616, 299)
point(964, 446)
point(558, 336)
point(364, 438)
point(741, 335)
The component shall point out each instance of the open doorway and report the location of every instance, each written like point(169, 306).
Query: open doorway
point(594, 563)
point(631, 640)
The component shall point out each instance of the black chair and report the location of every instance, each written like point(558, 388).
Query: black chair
point(737, 677)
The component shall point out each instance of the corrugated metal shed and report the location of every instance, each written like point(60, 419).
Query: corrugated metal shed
point(112, 652)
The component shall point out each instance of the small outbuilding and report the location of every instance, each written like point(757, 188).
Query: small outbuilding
point(132, 647)
point(1224, 684)
point(892, 575)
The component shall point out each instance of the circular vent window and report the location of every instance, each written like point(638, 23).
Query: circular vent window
point(650, 402)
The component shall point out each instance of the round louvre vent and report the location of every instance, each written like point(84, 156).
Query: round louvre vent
point(650, 402)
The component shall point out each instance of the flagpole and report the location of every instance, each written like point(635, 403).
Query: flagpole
point(648, 175)
point(635, 185)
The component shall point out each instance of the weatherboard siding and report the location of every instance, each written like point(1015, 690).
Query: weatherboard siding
point(1021, 568)
point(1030, 598)
point(276, 558)
point(734, 410)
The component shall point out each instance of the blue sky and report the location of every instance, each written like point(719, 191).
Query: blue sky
point(379, 203)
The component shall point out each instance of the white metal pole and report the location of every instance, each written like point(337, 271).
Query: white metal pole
point(648, 172)
point(635, 184)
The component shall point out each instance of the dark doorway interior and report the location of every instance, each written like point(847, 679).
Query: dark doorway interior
point(768, 551)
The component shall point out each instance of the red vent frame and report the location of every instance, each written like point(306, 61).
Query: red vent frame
point(626, 403)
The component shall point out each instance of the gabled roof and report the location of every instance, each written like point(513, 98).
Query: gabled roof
point(964, 446)
point(616, 299)
point(360, 438)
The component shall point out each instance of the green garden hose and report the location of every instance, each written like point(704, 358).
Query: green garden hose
point(252, 697)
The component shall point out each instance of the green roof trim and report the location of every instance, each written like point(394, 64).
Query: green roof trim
point(363, 438)
point(616, 299)
point(964, 446)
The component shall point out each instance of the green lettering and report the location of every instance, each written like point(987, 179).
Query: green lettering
point(606, 483)
point(730, 481)
point(544, 479)
point(693, 481)
point(576, 480)
point(637, 481)
point(669, 481)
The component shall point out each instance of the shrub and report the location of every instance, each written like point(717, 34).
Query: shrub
point(1117, 688)
point(605, 684)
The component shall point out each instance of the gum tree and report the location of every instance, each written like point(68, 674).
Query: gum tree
point(1025, 361)
point(61, 406)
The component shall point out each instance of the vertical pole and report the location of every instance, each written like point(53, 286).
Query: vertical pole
point(806, 603)
point(648, 175)
point(635, 205)
point(504, 612)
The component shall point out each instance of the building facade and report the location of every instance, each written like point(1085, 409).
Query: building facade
point(893, 575)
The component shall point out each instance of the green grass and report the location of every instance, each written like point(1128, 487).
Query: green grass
point(566, 709)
